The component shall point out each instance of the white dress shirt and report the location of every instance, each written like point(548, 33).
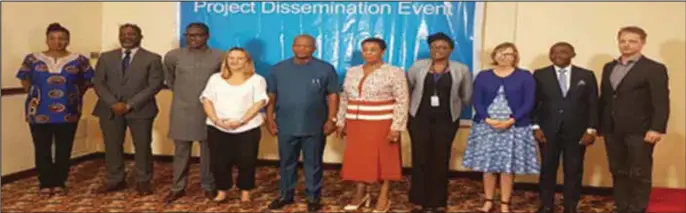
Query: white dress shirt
point(233, 101)
point(133, 52)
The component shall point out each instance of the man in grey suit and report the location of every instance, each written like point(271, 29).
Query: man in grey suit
point(187, 70)
point(126, 82)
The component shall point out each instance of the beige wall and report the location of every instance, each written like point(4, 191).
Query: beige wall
point(591, 27)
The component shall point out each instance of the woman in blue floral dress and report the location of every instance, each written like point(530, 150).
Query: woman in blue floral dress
point(501, 141)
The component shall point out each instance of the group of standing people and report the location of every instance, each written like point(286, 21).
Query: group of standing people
point(217, 97)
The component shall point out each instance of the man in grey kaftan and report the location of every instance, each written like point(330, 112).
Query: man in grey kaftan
point(187, 70)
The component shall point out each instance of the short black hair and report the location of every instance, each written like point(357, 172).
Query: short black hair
point(378, 41)
point(441, 36)
point(56, 27)
point(200, 25)
point(562, 43)
point(133, 26)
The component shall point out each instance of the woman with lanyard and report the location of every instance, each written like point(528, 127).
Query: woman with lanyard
point(439, 89)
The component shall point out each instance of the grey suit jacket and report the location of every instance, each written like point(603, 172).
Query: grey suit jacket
point(460, 91)
point(138, 87)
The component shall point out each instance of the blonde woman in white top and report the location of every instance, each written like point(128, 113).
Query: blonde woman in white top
point(232, 100)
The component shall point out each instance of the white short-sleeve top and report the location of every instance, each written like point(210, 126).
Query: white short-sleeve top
point(233, 101)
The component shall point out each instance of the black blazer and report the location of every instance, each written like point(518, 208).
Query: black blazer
point(640, 102)
point(578, 110)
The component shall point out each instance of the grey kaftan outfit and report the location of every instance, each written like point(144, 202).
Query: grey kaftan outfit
point(187, 72)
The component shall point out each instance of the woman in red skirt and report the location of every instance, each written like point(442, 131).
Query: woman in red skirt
point(372, 114)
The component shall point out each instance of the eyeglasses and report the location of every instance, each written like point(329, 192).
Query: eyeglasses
point(503, 55)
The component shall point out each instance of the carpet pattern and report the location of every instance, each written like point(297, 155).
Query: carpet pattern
point(21, 196)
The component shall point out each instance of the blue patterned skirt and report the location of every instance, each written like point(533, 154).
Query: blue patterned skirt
point(501, 151)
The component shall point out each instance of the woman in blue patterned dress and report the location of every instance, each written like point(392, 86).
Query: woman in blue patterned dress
point(501, 141)
point(55, 81)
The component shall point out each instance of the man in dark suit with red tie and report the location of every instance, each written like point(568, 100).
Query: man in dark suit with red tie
point(565, 122)
point(634, 105)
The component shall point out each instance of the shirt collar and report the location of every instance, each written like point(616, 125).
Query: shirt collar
point(305, 64)
point(446, 69)
point(187, 49)
point(631, 60)
point(133, 51)
point(568, 68)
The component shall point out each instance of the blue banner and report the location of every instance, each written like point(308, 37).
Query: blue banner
point(267, 28)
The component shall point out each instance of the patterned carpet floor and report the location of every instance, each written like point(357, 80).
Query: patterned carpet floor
point(21, 196)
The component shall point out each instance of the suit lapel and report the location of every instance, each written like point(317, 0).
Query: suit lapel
point(552, 75)
point(574, 81)
point(454, 74)
point(423, 72)
point(118, 60)
point(135, 61)
point(607, 72)
point(629, 72)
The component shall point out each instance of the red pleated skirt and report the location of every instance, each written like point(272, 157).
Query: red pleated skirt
point(369, 156)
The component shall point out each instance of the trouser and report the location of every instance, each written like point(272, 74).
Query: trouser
point(114, 132)
point(431, 141)
point(53, 174)
point(572, 164)
point(229, 150)
point(631, 165)
point(182, 156)
point(289, 153)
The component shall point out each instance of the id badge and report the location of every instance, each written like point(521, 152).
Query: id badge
point(434, 101)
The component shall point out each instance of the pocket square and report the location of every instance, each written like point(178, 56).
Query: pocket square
point(581, 83)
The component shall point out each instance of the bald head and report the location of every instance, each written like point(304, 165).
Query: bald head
point(303, 46)
point(304, 38)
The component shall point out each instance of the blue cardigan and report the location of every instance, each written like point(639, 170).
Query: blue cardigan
point(520, 91)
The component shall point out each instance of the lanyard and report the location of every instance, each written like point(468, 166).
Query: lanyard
point(437, 76)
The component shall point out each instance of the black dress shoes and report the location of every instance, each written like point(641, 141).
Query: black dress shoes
point(210, 194)
point(570, 210)
point(313, 206)
point(105, 188)
point(278, 203)
point(173, 196)
point(144, 188)
point(546, 210)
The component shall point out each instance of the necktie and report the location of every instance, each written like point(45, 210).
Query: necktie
point(562, 79)
point(126, 61)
